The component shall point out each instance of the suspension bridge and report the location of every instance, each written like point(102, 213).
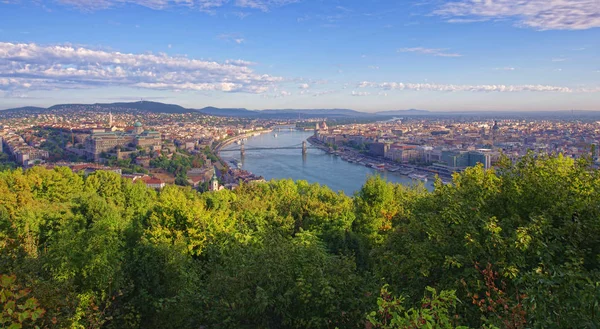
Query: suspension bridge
point(242, 149)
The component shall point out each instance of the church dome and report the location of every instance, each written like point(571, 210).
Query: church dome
point(137, 124)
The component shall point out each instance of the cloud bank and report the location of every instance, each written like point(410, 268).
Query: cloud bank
point(537, 14)
point(35, 67)
point(465, 88)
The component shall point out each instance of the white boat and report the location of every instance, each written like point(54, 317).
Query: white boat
point(275, 135)
point(418, 177)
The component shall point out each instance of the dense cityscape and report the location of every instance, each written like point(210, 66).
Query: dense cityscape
point(161, 148)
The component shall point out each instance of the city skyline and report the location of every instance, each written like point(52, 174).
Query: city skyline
point(464, 55)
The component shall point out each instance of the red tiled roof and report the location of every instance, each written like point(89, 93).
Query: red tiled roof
point(152, 180)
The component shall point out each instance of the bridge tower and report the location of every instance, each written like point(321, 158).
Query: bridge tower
point(242, 150)
point(304, 148)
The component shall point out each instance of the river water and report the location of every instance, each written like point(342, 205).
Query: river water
point(316, 167)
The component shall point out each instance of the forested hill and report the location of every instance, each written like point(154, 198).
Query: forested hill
point(517, 248)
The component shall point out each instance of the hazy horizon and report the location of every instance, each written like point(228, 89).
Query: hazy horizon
point(309, 109)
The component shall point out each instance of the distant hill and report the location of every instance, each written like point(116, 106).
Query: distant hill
point(284, 113)
point(404, 112)
point(243, 113)
point(316, 113)
point(154, 107)
point(26, 109)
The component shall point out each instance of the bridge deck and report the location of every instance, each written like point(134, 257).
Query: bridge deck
point(268, 148)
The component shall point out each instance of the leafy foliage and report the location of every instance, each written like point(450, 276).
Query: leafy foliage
point(17, 309)
point(512, 248)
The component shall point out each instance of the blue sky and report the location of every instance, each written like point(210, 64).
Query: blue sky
point(366, 55)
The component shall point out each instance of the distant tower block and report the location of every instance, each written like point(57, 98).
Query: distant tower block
point(304, 148)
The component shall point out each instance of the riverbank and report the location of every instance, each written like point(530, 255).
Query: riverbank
point(234, 139)
point(380, 164)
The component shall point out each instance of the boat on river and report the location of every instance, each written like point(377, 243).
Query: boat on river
point(405, 171)
point(420, 177)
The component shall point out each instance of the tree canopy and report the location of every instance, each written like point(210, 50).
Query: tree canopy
point(514, 247)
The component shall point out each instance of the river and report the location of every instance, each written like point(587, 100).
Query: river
point(316, 167)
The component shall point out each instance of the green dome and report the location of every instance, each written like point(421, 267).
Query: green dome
point(137, 124)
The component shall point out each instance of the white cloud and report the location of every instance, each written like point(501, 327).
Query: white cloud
point(232, 37)
point(202, 5)
point(559, 59)
point(264, 5)
point(507, 68)
point(92, 5)
point(276, 94)
point(441, 52)
point(360, 93)
point(466, 20)
point(31, 66)
point(323, 93)
point(304, 86)
point(241, 14)
point(466, 88)
point(537, 14)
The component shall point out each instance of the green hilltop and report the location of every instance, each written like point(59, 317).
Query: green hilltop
point(512, 248)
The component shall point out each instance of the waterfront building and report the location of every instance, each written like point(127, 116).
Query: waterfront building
point(404, 153)
point(461, 159)
point(378, 149)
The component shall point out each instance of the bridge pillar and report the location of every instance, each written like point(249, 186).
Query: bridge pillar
point(242, 150)
point(304, 147)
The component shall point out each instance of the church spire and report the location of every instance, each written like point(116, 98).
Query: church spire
point(214, 182)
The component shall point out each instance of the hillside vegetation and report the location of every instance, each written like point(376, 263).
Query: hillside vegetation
point(513, 248)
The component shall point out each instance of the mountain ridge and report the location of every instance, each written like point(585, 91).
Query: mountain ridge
point(158, 107)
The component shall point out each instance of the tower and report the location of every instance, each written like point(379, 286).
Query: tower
point(494, 132)
point(214, 182)
point(138, 128)
point(110, 119)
